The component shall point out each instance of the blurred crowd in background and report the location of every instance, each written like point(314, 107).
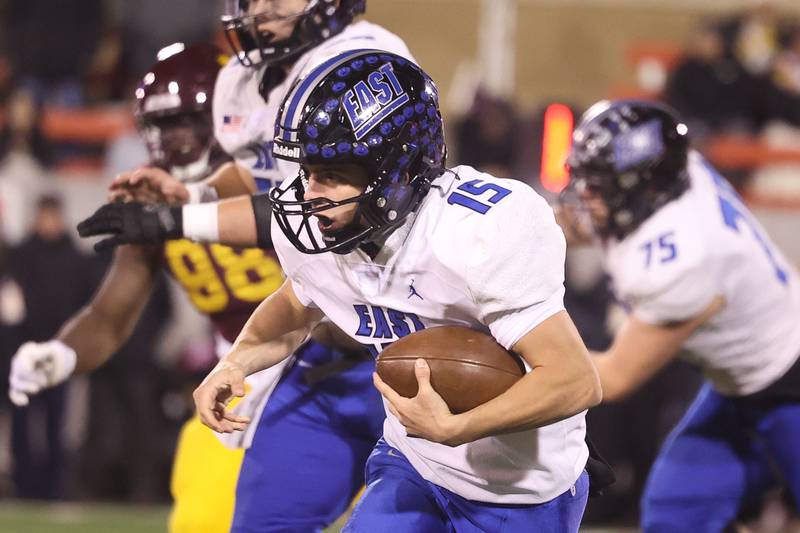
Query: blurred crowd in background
point(66, 69)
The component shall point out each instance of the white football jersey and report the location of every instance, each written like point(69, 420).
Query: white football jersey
point(480, 252)
point(244, 122)
point(702, 245)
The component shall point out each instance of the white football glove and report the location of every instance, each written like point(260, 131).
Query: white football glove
point(38, 365)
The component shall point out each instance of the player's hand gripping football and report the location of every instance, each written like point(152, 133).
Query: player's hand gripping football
point(132, 223)
point(38, 365)
point(212, 397)
point(148, 185)
point(426, 415)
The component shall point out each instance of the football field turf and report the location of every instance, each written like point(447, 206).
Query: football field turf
point(19, 517)
point(24, 517)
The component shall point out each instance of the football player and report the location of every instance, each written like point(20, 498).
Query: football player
point(374, 211)
point(173, 111)
point(697, 272)
point(312, 474)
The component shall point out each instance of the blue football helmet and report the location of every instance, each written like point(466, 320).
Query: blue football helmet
point(370, 108)
point(633, 155)
point(318, 21)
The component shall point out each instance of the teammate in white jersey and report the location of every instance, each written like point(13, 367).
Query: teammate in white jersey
point(249, 92)
point(374, 212)
point(697, 272)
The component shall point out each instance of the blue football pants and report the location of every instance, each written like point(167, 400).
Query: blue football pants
point(722, 457)
point(400, 500)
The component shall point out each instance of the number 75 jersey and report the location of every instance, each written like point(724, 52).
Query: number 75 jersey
point(706, 244)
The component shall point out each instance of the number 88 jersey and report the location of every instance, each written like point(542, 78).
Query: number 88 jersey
point(225, 283)
point(702, 245)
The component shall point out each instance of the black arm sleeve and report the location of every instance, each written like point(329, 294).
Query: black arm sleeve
point(263, 214)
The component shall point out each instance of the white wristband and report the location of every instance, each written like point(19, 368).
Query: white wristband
point(201, 222)
point(201, 192)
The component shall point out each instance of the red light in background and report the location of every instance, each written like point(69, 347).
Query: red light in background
point(556, 142)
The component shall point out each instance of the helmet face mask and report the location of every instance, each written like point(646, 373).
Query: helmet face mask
point(292, 31)
point(632, 157)
point(587, 193)
point(178, 141)
point(307, 237)
point(367, 108)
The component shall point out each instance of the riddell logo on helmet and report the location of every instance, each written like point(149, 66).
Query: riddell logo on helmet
point(286, 150)
point(371, 101)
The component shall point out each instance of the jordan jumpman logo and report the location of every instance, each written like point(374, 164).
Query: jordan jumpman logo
point(413, 291)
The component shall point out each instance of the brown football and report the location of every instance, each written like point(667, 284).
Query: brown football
point(468, 367)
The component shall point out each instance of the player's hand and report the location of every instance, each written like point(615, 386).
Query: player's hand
point(148, 185)
point(38, 365)
point(426, 415)
point(212, 397)
point(132, 223)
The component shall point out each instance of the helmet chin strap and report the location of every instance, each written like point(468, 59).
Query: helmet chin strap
point(350, 231)
point(267, 40)
point(194, 171)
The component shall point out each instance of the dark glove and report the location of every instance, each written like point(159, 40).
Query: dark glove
point(133, 223)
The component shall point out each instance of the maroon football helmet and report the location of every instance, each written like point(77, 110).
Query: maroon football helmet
point(173, 108)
